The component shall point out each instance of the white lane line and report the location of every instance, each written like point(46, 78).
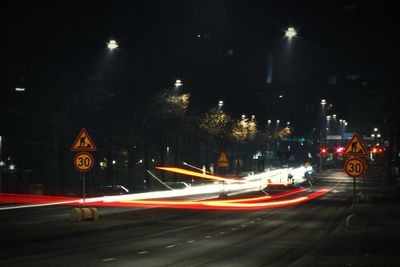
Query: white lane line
point(190, 241)
point(243, 225)
point(221, 233)
point(233, 229)
point(170, 246)
point(108, 259)
point(252, 222)
point(208, 236)
point(143, 252)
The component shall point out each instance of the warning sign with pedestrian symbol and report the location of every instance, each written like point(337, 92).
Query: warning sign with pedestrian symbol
point(355, 147)
point(83, 142)
point(223, 161)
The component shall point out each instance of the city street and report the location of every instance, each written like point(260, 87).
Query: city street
point(280, 236)
point(199, 133)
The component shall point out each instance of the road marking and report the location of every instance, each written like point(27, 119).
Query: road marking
point(252, 222)
point(208, 236)
point(233, 229)
point(243, 225)
point(143, 252)
point(221, 233)
point(190, 241)
point(170, 246)
point(108, 259)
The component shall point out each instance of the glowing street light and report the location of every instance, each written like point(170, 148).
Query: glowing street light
point(112, 45)
point(375, 129)
point(290, 33)
point(178, 83)
point(323, 101)
point(220, 103)
point(253, 117)
point(243, 117)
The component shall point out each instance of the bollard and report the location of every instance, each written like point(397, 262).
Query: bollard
point(84, 214)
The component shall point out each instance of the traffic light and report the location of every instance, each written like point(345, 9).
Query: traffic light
point(323, 151)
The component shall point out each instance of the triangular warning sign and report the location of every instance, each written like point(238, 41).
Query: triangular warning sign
point(355, 147)
point(83, 142)
point(223, 158)
point(223, 161)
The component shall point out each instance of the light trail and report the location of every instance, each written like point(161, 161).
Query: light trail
point(230, 186)
point(196, 174)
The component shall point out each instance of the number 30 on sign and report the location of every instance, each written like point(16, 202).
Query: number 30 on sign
point(83, 161)
point(354, 167)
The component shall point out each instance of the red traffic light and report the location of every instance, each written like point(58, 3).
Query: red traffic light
point(324, 150)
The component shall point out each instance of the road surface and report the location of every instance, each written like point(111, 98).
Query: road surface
point(268, 237)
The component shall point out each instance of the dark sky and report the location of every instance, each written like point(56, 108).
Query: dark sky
point(53, 48)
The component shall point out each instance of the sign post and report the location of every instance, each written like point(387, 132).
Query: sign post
point(355, 167)
point(83, 161)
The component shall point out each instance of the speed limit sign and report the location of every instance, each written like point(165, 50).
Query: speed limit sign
point(83, 162)
point(354, 167)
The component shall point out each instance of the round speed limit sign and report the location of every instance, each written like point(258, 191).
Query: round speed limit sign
point(83, 161)
point(354, 167)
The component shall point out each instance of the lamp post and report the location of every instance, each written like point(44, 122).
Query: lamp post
point(112, 45)
point(290, 33)
point(321, 132)
point(178, 83)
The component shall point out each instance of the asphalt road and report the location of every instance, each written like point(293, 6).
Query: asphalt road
point(270, 237)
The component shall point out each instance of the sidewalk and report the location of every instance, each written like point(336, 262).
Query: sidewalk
point(372, 239)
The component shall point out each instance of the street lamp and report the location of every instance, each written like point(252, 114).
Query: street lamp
point(290, 33)
point(112, 45)
point(323, 102)
point(220, 103)
point(178, 83)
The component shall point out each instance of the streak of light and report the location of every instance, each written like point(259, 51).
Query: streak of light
point(196, 174)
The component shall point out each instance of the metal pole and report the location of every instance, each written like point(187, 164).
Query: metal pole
point(1, 166)
point(354, 195)
point(83, 186)
point(363, 183)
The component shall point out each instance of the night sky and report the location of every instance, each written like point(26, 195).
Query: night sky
point(220, 49)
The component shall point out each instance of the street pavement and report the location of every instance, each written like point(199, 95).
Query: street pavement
point(310, 234)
